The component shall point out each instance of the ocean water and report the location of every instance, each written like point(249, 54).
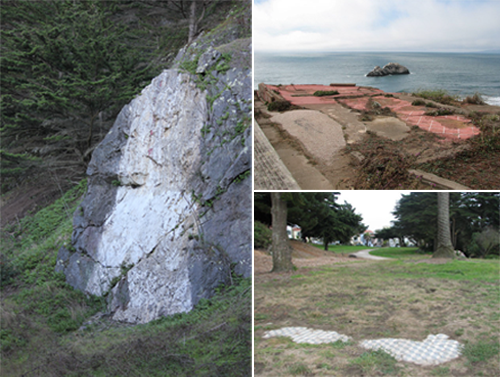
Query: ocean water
point(459, 74)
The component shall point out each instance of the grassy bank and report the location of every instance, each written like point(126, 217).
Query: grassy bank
point(341, 249)
point(405, 298)
point(400, 253)
point(41, 317)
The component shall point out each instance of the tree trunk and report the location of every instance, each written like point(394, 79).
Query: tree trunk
point(282, 256)
point(444, 247)
point(402, 242)
point(192, 22)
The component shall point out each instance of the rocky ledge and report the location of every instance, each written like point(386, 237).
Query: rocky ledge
point(389, 69)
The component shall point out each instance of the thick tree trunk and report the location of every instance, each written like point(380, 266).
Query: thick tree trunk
point(282, 256)
point(444, 247)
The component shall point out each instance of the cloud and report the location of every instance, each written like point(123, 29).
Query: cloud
point(381, 25)
point(375, 206)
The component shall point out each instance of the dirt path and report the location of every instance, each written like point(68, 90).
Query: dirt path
point(365, 254)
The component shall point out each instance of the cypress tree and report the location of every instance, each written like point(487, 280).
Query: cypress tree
point(65, 65)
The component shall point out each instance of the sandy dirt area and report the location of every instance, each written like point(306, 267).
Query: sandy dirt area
point(303, 255)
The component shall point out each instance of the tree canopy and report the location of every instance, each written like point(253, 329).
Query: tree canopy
point(63, 64)
point(68, 67)
point(474, 217)
point(317, 213)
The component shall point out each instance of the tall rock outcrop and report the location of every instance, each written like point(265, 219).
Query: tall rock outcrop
point(167, 215)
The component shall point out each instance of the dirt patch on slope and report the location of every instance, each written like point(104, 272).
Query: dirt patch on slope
point(29, 198)
point(303, 255)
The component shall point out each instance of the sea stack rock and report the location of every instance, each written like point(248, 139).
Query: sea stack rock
point(167, 215)
point(389, 69)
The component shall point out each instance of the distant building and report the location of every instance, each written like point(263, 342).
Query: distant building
point(356, 241)
point(363, 240)
point(294, 232)
point(394, 242)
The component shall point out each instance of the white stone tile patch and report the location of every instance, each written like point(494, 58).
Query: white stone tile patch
point(305, 335)
point(434, 350)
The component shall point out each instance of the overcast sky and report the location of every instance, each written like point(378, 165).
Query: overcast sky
point(374, 206)
point(376, 25)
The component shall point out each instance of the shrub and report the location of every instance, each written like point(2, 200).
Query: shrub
point(476, 99)
point(419, 102)
point(441, 111)
point(441, 96)
point(485, 243)
point(262, 235)
point(322, 93)
point(7, 270)
point(279, 106)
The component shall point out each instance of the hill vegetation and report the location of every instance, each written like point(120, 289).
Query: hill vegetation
point(67, 69)
point(49, 329)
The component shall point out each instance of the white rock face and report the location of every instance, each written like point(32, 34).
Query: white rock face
point(139, 233)
point(161, 151)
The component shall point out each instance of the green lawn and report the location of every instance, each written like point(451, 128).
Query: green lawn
point(400, 253)
point(341, 248)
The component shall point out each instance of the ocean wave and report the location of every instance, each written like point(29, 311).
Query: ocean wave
point(494, 101)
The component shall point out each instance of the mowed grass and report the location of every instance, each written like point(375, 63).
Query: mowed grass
point(341, 249)
point(400, 253)
point(405, 298)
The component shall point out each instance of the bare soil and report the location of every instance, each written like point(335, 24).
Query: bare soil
point(474, 162)
point(37, 190)
point(27, 198)
point(303, 255)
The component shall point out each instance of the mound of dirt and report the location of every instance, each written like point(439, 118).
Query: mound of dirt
point(29, 198)
point(304, 250)
point(303, 255)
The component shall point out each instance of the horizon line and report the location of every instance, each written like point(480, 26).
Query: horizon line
point(491, 52)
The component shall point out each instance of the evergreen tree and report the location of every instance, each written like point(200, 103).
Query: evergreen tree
point(469, 213)
point(66, 70)
point(414, 213)
point(320, 216)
